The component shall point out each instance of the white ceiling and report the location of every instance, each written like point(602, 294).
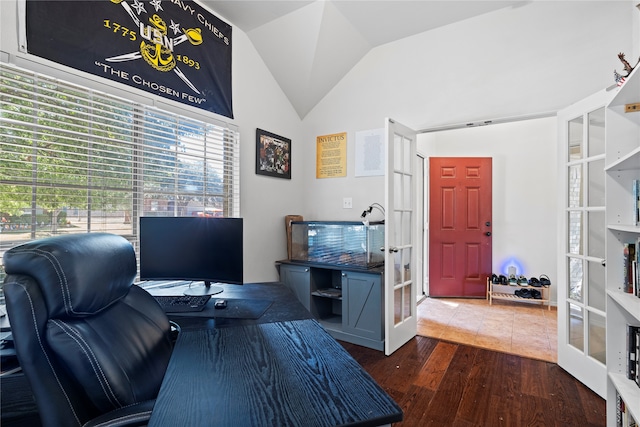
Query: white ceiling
point(310, 45)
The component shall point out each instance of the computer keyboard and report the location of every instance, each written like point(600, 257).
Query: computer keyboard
point(182, 303)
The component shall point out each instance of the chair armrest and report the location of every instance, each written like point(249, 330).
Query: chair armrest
point(129, 416)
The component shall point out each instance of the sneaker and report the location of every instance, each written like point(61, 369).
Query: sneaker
point(535, 294)
point(534, 282)
point(522, 281)
point(513, 281)
point(545, 281)
point(523, 293)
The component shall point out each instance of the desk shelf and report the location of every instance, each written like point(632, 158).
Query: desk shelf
point(331, 322)
point(331, 293)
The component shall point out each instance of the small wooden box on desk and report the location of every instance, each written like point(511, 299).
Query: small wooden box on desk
point(506, 292)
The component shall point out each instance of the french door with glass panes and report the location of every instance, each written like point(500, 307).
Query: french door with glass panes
point(400, 296)
point(581, 269)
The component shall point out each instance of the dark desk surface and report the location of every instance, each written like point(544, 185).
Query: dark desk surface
point(284, 305)
point(281, 369)
point(290, 373)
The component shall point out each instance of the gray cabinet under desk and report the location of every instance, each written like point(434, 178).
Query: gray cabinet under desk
point(348, 302)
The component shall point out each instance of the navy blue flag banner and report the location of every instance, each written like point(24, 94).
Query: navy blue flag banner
point(171, 48)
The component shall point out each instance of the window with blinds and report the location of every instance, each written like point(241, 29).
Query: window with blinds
point(76, 160)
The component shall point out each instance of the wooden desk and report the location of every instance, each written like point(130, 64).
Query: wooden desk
point(290, 373)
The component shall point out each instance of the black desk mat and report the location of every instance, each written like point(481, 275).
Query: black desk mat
point(237, 308)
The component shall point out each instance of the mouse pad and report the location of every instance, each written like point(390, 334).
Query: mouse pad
point(236, 309)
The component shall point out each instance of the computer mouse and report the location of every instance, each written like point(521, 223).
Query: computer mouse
point(220, 303)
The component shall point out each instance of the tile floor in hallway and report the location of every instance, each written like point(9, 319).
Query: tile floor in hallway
point(521, 328)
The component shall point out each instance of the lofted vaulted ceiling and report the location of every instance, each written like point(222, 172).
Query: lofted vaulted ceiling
point(310, 45)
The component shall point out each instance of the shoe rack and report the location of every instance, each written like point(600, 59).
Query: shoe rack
point(506, 292)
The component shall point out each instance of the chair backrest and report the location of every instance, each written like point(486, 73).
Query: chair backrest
point(87, 339)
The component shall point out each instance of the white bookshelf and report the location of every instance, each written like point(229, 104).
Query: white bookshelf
point(622, 162)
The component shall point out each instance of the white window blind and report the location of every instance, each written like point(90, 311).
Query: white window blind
point(77, 160)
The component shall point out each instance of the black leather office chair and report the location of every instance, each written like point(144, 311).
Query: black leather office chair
point(93, 346)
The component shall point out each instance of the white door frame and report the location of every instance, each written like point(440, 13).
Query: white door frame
point(421, 234)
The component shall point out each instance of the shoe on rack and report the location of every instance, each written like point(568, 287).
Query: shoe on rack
point(535, 294)
point(495, 280)
point(545, 281)
point(535, 282)
point(523, 293)
point(522, 281)
point(512, 280)
point(503, 279)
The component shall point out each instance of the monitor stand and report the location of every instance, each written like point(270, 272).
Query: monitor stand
point(205, 289)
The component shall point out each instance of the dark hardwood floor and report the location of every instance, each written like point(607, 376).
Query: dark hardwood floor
point(439, 383)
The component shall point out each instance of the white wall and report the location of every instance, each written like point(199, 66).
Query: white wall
point(536, 58)
point(258, 103)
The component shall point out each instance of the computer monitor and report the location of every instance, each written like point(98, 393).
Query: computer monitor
point(192, 248)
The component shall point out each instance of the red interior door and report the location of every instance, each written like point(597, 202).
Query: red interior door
point(459, 226)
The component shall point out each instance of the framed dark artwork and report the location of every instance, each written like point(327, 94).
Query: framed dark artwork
point(273, 155)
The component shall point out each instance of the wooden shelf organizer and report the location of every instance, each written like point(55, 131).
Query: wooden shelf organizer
point(499, 291)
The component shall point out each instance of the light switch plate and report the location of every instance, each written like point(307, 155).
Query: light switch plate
point(347, 203)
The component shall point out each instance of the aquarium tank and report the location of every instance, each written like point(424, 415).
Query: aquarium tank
point(341, 243)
